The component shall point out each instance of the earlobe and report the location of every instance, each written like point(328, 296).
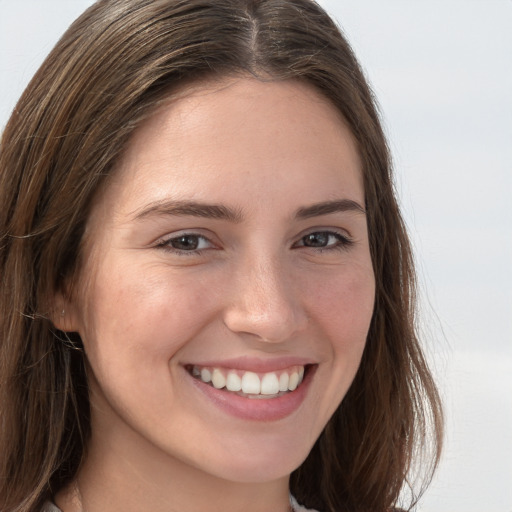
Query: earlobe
point(63, 315)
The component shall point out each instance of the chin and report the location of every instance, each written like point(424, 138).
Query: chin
point(261, 461)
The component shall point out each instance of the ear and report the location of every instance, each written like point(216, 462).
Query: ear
point(64, 313)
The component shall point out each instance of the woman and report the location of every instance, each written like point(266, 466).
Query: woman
point(207, 287)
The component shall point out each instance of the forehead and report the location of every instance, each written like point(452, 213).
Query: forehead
point(241, 135)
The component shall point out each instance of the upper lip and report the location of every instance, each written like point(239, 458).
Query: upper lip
point(255, 364)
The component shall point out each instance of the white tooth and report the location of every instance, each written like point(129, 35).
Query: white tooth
point(269, 384)
point(206, 375)
point(283, 381)
point(251, 383)
point(233, 382)
point(294, 381)
point(195, 371)
point(301, 374)
point(218, 379)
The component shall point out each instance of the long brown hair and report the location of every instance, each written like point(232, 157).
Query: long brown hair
point(109, 71)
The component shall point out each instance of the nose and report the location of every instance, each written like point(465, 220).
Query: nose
point(265, 302)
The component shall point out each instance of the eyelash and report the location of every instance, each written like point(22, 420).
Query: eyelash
point(343, 243)
point(166, 244)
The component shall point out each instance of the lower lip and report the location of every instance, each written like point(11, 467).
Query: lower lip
point(257, 409)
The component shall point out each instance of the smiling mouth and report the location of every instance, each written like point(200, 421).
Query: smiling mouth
point(250, 384)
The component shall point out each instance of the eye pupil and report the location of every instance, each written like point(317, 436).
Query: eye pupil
point(316, 240)
point(185, 242)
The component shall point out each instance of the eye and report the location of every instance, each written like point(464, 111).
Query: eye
point(186, 243)
point(325, 240)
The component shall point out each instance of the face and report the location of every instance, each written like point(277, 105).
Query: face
point(227, 288)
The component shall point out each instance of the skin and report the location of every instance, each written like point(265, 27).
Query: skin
point(253, 288)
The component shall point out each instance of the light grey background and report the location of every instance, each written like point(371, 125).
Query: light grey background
point(442, 71)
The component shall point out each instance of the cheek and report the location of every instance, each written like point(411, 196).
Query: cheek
point(136, 321)
point(343, 305)
point(342, 308)
point(135, 315)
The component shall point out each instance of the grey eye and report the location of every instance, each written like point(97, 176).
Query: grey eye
point(316, 239)
point(324, 240)
point(321, 239)
point(188, 242)
point(185, 242)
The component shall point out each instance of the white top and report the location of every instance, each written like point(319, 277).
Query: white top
point(297, 508)
point(50, 507)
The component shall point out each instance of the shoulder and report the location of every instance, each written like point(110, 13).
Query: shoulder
point(50, 507)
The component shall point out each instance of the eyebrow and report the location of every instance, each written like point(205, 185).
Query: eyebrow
point(190, 208)
point(328, 207)
point(222, 212)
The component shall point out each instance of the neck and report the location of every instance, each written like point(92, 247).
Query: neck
point(115, 478)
